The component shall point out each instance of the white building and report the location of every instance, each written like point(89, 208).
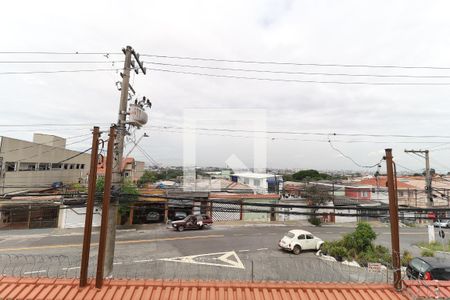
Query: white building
point(261, 183)
point(38, 164)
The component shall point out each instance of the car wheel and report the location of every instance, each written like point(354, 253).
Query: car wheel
point(202, 227)
point(180, 228)
point(297, 249)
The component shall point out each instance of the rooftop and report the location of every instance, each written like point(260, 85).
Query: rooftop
point(68, 289)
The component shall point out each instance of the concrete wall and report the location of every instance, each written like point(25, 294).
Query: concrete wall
point(20, 153)
point(75, 217)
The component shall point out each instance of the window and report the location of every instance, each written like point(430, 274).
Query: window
point(309, 237)
point(56, 166)
point(72, 166)
point(10, 166)
point(246, 181)
point(44, 166)
point(400, 193)
point(27, 166)
point(419, 265)
point(78, 166)
point(82, 166)
point(256, 182)
point(290, 235)
point(127, 174)
point(66, 166)
point(364, 194)
point(301, 237)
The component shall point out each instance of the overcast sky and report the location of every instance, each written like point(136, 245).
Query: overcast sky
point(405, 33)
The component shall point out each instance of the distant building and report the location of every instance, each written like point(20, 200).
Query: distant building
point(131, 169)
point(38, 164)
point(261, 183)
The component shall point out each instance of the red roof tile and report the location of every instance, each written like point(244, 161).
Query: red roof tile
point(382, 182)
point(25, 288)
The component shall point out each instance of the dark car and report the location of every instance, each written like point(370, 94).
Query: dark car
point(193, 222)
point(428, 268)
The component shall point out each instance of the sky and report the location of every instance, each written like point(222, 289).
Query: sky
point(375, 33)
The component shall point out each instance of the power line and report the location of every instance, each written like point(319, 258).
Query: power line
point(307, 133)
point(303, 81)
point(61, 53)
point(352, 160)
point(52, 124)
point(58, 62)
point(296, 63)
point(300, 72)
point(56, 71)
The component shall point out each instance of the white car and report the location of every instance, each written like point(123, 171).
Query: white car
point(299, 240)
point(442, 224)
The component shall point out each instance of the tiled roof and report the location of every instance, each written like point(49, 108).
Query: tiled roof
point(427, 289)
point(50, 289)
point(382, 180)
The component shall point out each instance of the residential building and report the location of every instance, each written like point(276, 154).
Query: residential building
point(131, 168)
point(261, 183)
point(26, 165)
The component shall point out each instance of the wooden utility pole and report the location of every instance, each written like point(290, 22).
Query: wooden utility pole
point(393, 213)
point(428, 179)
point(117, 178)
point(89, 208)
point(105, 210)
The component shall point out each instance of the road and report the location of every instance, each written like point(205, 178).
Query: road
point(222, 252)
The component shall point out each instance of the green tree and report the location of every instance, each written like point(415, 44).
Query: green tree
point(311, 175)
point(148, 176)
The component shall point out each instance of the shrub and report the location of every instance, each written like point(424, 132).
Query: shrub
point(406, 258)
point(427, 252)
point(338, 252)
point(315, 221)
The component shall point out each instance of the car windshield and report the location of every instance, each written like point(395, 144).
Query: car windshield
point(290, 235)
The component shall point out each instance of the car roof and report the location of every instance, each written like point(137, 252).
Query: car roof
point(436, 261)
point(299, 231)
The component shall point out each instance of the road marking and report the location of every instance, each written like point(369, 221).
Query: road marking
point(118, 242)
point(144, 260)
point(260, 249)
point(229, 259)
point(243, 250)
point(72, 268)
point(118, 263)
point(34, 272)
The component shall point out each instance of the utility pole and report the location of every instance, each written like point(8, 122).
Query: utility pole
point(393, 213)
point(428, 178)
point(117, 178)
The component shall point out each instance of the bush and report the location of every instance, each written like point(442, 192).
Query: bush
point(406, 258)
point(315, 221)
point(427, 252)
point(338, 252)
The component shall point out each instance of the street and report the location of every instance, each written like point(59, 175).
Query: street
point(221, 252)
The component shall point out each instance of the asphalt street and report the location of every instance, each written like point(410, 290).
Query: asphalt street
point(237, 252)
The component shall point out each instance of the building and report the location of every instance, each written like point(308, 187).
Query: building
point(39, 164)
point(132, 169)
point(261, 183)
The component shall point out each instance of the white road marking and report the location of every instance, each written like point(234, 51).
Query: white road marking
point(34, 272)
point(243, 250)
point(260, 249)
point(144, 260)
point(117, 263)
point(201, 259)
point(72, 268)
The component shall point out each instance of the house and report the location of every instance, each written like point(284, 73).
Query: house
point(130, 168)
point(261, 183)
point(26, 166)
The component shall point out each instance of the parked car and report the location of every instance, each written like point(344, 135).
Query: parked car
point(152, 216)
point(428, 268)
point(193, 222)
point(299, 240)
point(443, 224)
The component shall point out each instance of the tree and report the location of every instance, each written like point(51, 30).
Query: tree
point(316, 195)
point(148, 176)
point(311, 175)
